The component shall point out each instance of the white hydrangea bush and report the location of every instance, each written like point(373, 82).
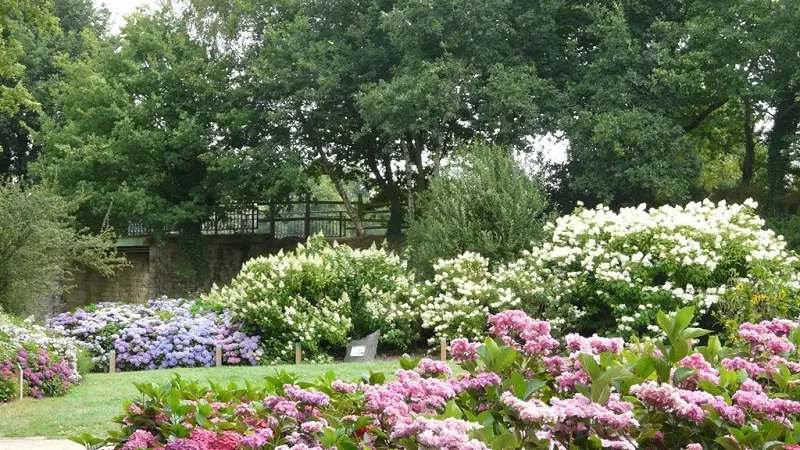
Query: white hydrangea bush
point(460, 298)
point(320, 295)
point(613, 271)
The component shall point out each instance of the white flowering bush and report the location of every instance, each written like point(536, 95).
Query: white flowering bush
point(321, 295)
point(606, 271)
point(461, 296)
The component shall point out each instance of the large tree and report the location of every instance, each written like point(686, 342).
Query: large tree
point(142, 133)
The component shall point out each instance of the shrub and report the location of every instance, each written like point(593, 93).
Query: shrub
point(321, 295)
point(483, 203)
point(49, 364)
point(617, 269)
point(460, 297)
point(160, 334)
point(520, 388)
point(40, 245)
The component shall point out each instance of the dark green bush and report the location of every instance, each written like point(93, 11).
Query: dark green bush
point(483, 202)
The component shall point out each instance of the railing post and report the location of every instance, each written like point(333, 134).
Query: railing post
point(112, 362)
point(272, 219)
point(298, 352)
point(360, 210)
point(444, 349)
point(307, 229)
point(218, 356)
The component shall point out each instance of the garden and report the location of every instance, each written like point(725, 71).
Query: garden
point(563, 225)
point(666, 327)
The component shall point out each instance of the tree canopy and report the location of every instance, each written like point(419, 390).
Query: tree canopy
point(208, 102)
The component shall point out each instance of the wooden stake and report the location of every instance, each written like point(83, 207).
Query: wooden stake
point(21, 382)
point(444, 349)
point(218, 355)
point(112, 361)
point(298, 352)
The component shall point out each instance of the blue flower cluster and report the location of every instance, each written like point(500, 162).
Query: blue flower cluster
point(160, 334)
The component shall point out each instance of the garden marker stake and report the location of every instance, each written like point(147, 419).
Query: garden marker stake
point(21, 381)
point(298, 352)
point(444, 348)
point(218, 355)
point(112, 361)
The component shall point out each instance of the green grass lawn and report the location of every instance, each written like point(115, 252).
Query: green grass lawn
point(89, 408)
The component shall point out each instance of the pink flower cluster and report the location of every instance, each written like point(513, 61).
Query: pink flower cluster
point(447, 434)
point(565, 417)
point(703, 371)
point(769, 336)
point(516, 329)
point(433, 368)
point(594, 345)
point(685, 404)
point(462, 350)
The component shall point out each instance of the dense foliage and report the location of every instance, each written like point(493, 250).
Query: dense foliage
point(482, 202)
point(520, 388)
point(160, 334)
point(320, 294)
point(40, 245)
point(49, 364)
point(617, 269)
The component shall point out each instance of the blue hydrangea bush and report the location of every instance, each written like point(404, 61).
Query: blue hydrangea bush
point(159, 334)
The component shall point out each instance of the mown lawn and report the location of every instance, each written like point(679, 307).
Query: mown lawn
point(90, 407)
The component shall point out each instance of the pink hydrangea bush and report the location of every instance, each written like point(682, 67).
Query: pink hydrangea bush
point(519, 388)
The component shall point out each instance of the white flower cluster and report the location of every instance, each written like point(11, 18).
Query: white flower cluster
point(310, 294)
point(631, 263)
point(13, 337)
point(461, 296)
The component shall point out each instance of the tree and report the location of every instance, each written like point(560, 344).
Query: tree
point(39, 245)
point(484, 202)
point(56, 32)
point(142, 136)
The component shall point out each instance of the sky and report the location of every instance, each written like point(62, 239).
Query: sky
point(120, 8)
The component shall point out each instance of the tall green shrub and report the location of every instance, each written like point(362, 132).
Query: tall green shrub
point(485, 203)
point(39, 244)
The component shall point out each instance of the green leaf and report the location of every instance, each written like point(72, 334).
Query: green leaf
point(452, 411)
point(507, 440)
point(590, 365)
point(682, 373)
point(683, 318)
point(505, 357)
point(694, 333)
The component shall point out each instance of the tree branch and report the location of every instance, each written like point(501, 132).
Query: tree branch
point(704, 115)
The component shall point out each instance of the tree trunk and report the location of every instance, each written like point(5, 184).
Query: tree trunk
point(409, 183)
point(783, 130)
point(749, 145)
point(422, 182)
point(337, 183)
point(396, 213)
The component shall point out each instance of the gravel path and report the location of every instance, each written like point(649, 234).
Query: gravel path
point(37, 444)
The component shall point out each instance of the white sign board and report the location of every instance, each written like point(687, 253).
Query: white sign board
point(358, 350)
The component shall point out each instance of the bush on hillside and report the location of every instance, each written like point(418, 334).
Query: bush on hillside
point(49, 364)
point(321, 294)
point(520, 388)
point(484, 203)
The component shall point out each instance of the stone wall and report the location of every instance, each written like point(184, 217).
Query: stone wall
point(162, 269)
point(131, 284)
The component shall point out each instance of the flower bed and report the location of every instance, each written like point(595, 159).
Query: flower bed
point(160, 334)
point(520, 388)
point(49, 364)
